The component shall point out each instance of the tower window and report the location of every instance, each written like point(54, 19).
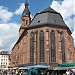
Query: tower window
point(26, 22)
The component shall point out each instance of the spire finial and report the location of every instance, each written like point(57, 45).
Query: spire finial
point(26, 4)
point(26, 1)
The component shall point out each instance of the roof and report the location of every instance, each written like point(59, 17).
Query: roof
point(4, 53)
point(26, 12)
point(47, 16)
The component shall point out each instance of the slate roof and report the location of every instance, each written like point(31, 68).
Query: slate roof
point(47, 16)
point(26, 12)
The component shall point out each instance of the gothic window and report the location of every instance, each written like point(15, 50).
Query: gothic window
point(32, 47)
point(53, 47)
point(62, 47)
point(42, 59)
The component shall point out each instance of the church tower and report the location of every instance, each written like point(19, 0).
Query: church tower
point(25, 20)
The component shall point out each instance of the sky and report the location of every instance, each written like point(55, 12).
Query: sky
point(11, 12)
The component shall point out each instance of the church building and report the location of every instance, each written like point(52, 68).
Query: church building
point(45, 39)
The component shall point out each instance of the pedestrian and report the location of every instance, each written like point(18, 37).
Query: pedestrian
point(52, 73)
point(71, 72)
point(67, 72)
point(48, 73)
point(17, 73)
point(31, 73)
point(8, 73)
point(42, 73)
point(5, 72)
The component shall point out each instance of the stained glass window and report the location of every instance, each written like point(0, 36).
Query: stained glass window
point(53, 47)
point(42, 59)
point(62, 47)
point(32, 47)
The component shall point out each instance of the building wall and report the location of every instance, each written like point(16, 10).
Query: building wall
point(21, 51)
point(68, 44)
point(4, 61)
point(74, 53)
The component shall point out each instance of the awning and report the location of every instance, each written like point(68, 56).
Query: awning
point(40, 66)
point(35, 66)
point(67, 64)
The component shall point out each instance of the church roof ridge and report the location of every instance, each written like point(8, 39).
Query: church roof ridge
point(49, 9)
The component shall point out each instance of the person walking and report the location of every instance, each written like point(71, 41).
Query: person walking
point(67, 72)
point(48, 73)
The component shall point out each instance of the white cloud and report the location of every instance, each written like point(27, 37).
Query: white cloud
point(73, 35)
point(20, 9)
point(70, 22)
point(8, 36)
point(5, 15)
point(8, 31)
point(67, 9)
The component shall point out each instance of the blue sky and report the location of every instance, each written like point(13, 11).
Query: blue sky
point(12, 5)
point(34, 6)
point(10, 17)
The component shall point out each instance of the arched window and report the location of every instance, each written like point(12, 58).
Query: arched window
point(53, 47)
point(32, 47)
point(62, 47)
point(42, 59)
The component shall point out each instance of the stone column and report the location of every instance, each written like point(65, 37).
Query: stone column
point(47, 47)
point(35, 47)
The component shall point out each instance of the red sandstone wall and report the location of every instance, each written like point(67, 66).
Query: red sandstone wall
point(21, 52)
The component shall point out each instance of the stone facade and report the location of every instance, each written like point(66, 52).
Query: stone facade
point(21, 51)
point(74, 54)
